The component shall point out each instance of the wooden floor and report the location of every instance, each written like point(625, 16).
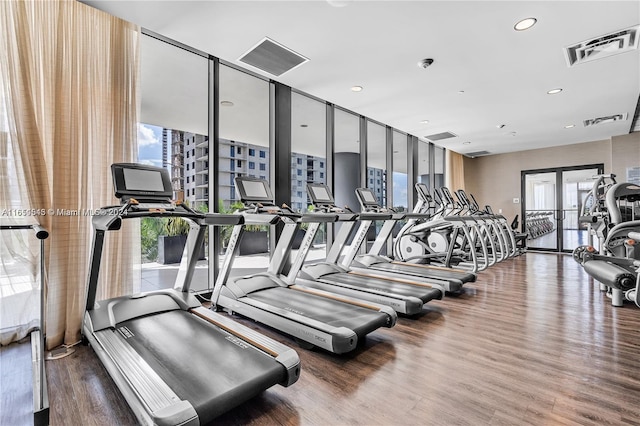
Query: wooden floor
point(533, 341)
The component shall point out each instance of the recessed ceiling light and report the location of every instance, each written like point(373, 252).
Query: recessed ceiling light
point(466, 143)
point(356, 89)
point(424, 122)
point(226, 103)
point(525, 24)
point(554, 91)
point(570, 126)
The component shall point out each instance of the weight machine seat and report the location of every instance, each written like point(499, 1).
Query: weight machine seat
point(611, 275)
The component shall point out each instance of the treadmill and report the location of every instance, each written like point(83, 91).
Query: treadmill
point(174, 361)
point(313, 317)
point(452, 279)
point(404, 295)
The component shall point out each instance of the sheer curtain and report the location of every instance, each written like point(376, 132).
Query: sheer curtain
point(455, 171)
point(70, 93)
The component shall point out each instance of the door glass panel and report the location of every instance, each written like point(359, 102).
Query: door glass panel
point(540, 213)
point(576, 185)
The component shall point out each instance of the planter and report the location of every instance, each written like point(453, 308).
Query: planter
point(254, 242)
point(170, 249)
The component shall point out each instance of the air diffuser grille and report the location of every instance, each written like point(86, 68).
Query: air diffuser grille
point(477, 154)
point(603, 46)
point(272, 57)
point(605, 120)
point(440, 136)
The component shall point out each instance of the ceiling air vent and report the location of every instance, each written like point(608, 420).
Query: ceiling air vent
point(477, 154)
point(605, 120)
point(441, 136)
point(603, 46)
point(272, 57)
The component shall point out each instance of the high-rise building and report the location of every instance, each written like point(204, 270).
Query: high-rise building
point(305, 168)
point(239, 159)
point(377, 182)
point(177, 162)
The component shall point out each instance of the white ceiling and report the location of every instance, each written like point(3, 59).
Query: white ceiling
point(504, 74)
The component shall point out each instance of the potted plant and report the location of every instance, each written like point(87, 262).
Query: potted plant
point(172, 240)
point(255, 238)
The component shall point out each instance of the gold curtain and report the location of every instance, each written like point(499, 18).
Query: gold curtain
point(455, 171)
point(71, 94)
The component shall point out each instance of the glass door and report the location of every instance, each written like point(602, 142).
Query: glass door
point(576, 185)
point(552, 202)
point(541, 212)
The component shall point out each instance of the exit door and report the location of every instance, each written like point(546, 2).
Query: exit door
point(552, 202)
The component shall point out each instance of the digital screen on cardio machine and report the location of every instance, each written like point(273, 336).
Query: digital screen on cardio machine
point(253, 189)
point(368, 197)
point(320, 194)
point(143, 180)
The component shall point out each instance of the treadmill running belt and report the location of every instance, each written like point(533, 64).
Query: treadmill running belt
point(335, 313)
point(209, 367)
point(462, 276)
point(425, 294)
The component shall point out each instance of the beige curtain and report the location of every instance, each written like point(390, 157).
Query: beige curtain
point(70, 74)
point(454, 171)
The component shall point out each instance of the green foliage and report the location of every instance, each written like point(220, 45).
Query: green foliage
point(150, 229)
point(225, 231)
point(174, 226)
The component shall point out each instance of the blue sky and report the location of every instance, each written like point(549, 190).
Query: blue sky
point(149, 144)
point(399, 189)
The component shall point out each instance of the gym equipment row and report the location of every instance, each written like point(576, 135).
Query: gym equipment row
point(539, 224)
point(611, 217)
point(155, 345)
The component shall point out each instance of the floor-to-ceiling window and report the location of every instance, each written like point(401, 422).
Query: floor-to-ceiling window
point(401, 192)
point(243, 151)
point(173, 133)
point(377, 161)
point(308, 160)
point(346, 158)
point(438, 169)
point(175, 128)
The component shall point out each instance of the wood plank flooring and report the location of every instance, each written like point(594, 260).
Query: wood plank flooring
point(532, 342)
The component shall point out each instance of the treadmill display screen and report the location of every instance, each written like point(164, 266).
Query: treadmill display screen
point(143, 180)
point(368, 197)
point(320, 194)
point(254, 189)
